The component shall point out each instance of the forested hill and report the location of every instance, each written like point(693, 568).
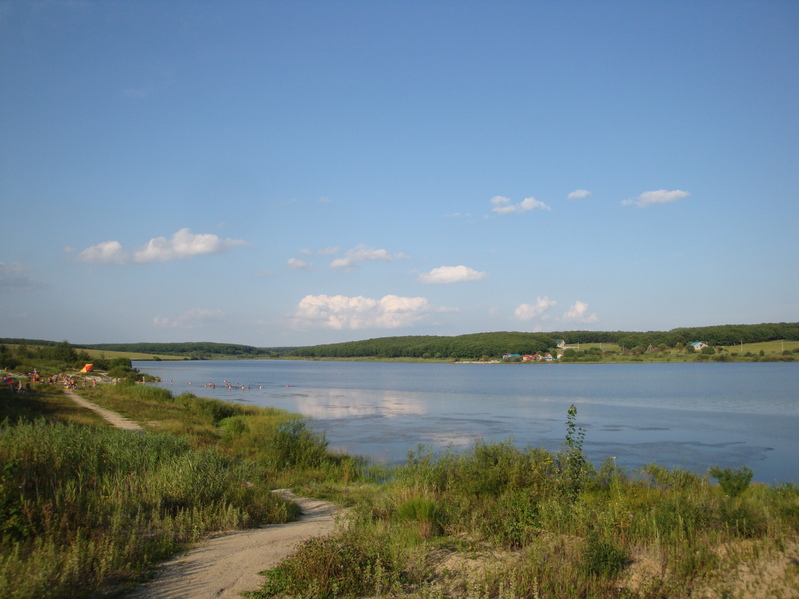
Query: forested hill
point(471, 347)
point(195, 350)
point(479, 345)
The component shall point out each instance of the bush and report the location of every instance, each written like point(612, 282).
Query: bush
point(604, 559)
point(732, 482)
point(425, 512)
point(344, 565)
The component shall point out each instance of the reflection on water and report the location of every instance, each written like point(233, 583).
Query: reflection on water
point(333, 404)
point(679, 415)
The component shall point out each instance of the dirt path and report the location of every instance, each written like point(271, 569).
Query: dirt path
point(224, 566)
point(115, 419)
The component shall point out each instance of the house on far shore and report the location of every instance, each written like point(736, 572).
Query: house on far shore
point(698, 345)
point(510, 356)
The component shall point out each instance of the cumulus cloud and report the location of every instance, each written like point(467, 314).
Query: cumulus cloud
point(452, 274)
point(297, 264)
point(362, 253)
point(14, 277)
point(342, 312)
point(579, 313)
point(530, 311)
point(183, 244)
point(107, 252)
point(578, 194)
point(503, 205)
point(660, 196)
point(192, 319)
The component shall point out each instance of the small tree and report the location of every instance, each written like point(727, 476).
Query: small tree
point(573, 465)
point(732, 482)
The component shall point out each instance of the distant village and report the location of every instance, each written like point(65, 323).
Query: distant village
point(547, 357)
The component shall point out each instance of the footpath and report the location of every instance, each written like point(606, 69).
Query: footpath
point(225, 565)
point(117, 420)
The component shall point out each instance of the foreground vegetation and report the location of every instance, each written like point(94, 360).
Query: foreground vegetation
point(502, 522)
point(85, 510)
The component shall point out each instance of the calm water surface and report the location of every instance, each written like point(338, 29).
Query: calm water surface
point(679, 415)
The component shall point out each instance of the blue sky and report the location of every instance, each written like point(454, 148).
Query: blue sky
point(293, 173)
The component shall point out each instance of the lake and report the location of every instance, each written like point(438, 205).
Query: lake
point(691, 416)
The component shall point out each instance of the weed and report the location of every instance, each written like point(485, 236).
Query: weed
point(573, 464)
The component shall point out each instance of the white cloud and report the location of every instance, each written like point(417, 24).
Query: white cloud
point(362, 253)
point(342, 312)
point(452, 274)
point(579, 313)
point(192, 319)
point(183, 244)
point(297, 264)
point(503, 205)
point(660, 196)
point(14, 277)
point(107, 252)
point(580, 193)
point(530, 311)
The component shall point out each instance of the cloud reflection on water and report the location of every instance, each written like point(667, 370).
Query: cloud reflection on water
point(332, 404)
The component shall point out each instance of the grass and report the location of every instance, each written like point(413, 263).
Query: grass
point(44, 401)
point(86, 510)
point(498, 521)
point(110, 355)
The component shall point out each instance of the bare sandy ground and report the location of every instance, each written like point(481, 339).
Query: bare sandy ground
point(114, 418)
point(225, 565)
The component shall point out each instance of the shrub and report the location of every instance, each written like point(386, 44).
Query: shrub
point(344, 565)
point(732, 482)
point(424, 511)
point(574, 466)
point(603, 558)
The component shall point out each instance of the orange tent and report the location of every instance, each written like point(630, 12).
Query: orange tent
point(87, 368)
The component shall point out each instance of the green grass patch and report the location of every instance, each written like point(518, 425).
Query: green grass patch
point(44, 401)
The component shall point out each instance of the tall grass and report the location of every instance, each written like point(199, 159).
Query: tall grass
point(85, 509)
point(81, 506)
point(499, 521)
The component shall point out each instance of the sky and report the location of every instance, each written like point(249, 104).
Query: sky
point(307, 172)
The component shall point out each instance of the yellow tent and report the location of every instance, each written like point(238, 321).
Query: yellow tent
point(87, 368)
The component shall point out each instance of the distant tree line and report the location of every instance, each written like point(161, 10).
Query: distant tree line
point(492, 345)
point(473, 346)
point(195, 349)
point(713, 335)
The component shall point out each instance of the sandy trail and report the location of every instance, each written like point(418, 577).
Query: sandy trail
point(225, 565)
point(114, 418)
